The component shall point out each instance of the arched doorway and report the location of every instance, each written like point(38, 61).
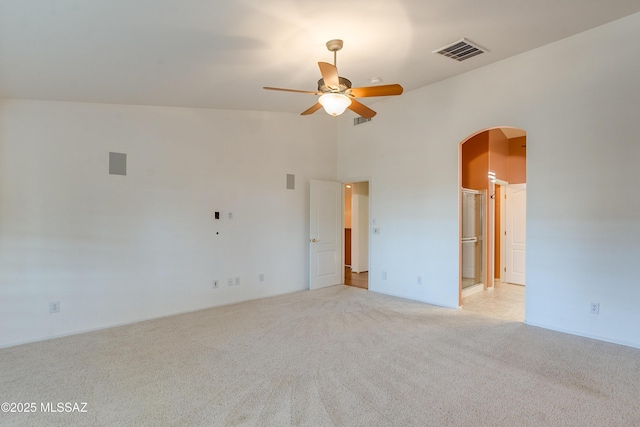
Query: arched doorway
point(492, 228)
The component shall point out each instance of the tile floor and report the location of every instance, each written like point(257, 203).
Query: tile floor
point(505, 301)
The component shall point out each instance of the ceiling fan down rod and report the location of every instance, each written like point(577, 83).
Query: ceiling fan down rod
point(334, 46)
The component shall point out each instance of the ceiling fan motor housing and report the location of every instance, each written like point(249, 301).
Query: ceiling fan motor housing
point(344, 85)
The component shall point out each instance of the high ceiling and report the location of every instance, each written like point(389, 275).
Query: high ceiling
point(219, 53)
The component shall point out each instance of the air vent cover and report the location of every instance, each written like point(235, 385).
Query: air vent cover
point(360, 120)
point(461, 50)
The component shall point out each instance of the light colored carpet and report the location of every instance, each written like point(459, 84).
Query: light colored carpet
point(336, 356)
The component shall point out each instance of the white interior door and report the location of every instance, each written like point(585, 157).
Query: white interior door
point(516, 233)
point(325, 234)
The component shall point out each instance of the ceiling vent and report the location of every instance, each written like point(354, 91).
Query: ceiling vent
point(360, 120)
point(461, 50)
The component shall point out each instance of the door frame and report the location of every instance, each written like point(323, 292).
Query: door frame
point(370, 224)
point(502, 226)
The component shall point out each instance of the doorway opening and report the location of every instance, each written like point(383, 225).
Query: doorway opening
point(492, 223)
point(472, 262)
point(356, 234)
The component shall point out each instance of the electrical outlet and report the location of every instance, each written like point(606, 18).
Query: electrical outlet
point(237, 281)
point(230, 215)
point(230, 282)
point(215, 284)
point(419, 280)
point(595, 308)
point(261, 277)
point(384, 275)
point(54, 307)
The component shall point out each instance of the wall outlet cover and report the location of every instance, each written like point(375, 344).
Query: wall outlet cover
point(54, 307)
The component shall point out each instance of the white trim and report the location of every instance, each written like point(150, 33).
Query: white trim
point(468, 190)
point(582, 334)
point(144, 319)
point(503, 184)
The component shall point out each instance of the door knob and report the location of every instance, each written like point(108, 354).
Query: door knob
point(313, 240)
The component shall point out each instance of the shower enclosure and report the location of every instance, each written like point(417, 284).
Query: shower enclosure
point(472, 238)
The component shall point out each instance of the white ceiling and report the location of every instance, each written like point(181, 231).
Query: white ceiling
point(219, 53)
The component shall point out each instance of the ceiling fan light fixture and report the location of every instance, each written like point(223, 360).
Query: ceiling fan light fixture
point(334, 103)
point(337, 94)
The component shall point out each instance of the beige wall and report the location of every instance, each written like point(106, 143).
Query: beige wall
point(569, 101)
point(120, 249)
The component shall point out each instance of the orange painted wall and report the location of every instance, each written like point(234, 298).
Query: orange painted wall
point(518, 160)
point(499, 154)
point(492, 151)
point(475, 162)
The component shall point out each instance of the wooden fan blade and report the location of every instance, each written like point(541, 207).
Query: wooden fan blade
point(292, 90)
point(383, 90)
point(329, 75)
point(361, 109)
point(311, 109)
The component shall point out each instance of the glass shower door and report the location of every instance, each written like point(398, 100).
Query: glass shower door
point(472, 231)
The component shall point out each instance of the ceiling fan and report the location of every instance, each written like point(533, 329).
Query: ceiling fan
point(336, 93)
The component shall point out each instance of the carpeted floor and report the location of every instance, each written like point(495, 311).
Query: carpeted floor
point(336, 356)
